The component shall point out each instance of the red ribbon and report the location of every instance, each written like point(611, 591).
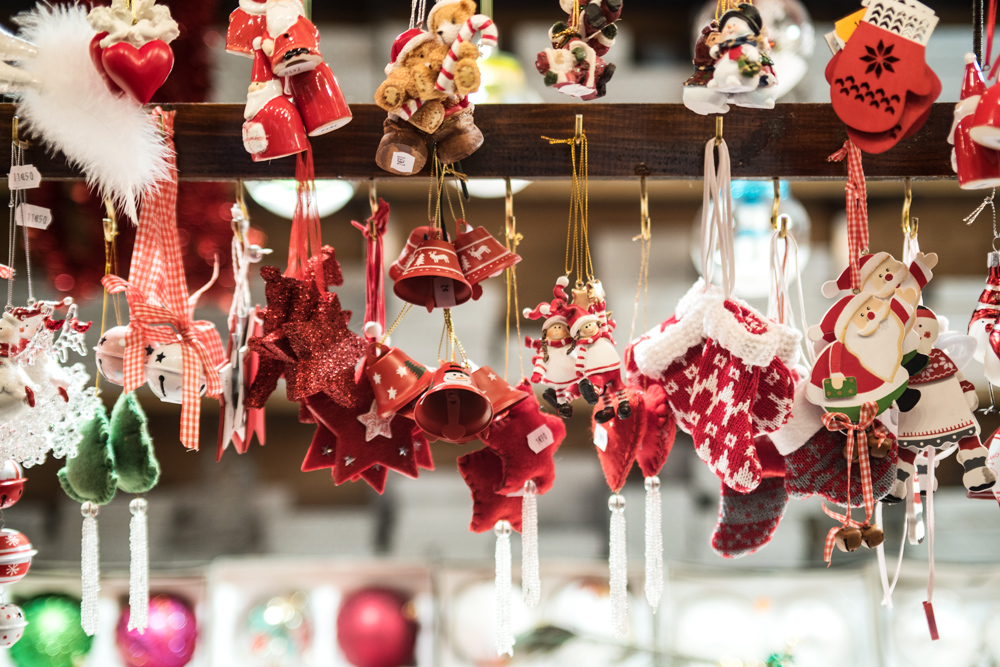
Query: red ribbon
point(305, 242)
point(838, 421)
point(857, 207)
point(375, 265)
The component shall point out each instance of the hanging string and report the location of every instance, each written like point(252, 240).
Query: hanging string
point(618, 566)
point(531, 581)
point(578, 259)
point(418, 10)
point(646, 236)
point(780, 304)
point(856, 193)
point(512, 239)
point(504, 638)
point(717, 215)
point(887, 588)
point(90, 569)
point(988, 201)
point(138, 585)
point(654, 543)
point(929, 603)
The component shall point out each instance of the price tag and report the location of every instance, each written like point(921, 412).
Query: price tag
point(36, 217)
point(444, 292)
point(24, 178)
point(403, 162)
point(601, 437)
point(540, 438)
point(846, 26)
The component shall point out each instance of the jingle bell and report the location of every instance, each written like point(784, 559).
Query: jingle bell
point(434, 277)
point(165, 373)
point(16, 553)
point(454, 409)
point(12, 624)
point(417, 236)
point(502, 396)
point(12, 481)
point(872, 536)
point(395, 378)
point(110, 354)
point(482, 256)
point(848, 538)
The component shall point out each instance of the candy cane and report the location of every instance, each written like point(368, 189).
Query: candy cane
point(480, 23)
point(407, 110)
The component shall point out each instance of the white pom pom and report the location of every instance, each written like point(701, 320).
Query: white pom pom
point(970, 58)
point(373, 330)
point(563, 281)
point(526, 312)
point(545, 309)
point(830, 289)
point(815, 333)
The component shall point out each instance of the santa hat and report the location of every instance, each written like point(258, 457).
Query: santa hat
point(403, 44)
point(579, 317)
point(866, 264)
point(555, 319)
point(973, 84)
point(745, 12)
point(836, 319)
point(255, 7)
point(925, 313)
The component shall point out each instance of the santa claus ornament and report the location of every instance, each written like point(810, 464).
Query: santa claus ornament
point(977, 166)
point(573, 64)
point(880, 85)
point(293, 94)
point(431, 72)
point(732, 62)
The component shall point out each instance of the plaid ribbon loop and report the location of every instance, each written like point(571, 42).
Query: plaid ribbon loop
point(856, 441)
point(856, 192)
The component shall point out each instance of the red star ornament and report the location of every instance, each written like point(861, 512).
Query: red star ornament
point(525, 439)
point(661, 430)
point(322, 452)
point(482, 472)
point(354, 453)
point(618, 441)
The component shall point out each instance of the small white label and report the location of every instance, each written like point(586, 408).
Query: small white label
point(403, 162)
point(24, 178)
point(36, 217)
point(601, 437)
point(444, 292)
point(540, 438)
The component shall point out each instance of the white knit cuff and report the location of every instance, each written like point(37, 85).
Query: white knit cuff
point(661, 346)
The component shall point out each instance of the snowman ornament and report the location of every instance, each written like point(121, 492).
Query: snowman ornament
point(741, 63)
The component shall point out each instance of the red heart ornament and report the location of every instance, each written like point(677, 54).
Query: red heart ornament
point(139, 72)
point(96, 52)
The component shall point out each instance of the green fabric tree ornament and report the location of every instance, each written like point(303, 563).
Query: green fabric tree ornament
point(90, 477)
point(135, 460)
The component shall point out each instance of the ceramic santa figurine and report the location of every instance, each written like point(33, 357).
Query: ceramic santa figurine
point(291, 41)
point(273, 127)
point(554, 364)
point(246, 23)
point(863, 364)
point(977, 166)
point(944, 415)
point(740, 57)
point(16, 390)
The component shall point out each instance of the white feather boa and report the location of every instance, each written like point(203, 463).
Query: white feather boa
point(112, 141)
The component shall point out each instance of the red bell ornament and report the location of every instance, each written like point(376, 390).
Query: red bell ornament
point(12, 481)
point(320, 101)
point(395, 378)
point(502, 396)
point(417, 236)
point(110, 354)
point(482, 256)
point(454, 409)
point(16, 553)
point(434, 277)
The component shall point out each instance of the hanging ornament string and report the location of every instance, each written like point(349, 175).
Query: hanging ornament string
point(110, 224)
point(646, 237)
point(374, 230)
point(305, 244)
point(987, 63)
point(717, 214)
point(782, 262)
point(578, 259)
point(418, 10)
point(511, 239)
point(929, 603)
point(18, 197)
point(857, 208)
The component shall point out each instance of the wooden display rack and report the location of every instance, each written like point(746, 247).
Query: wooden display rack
point(660, 141)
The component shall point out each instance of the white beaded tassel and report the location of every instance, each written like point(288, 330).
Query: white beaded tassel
point(531, 582)
point(504, 639)
point(618, 565)
point(654, 543)
point(138, 584)
point(90, 568)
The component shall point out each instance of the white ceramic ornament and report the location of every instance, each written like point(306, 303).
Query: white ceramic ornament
point(110, 355)
point(165, 373)
point(12, 624)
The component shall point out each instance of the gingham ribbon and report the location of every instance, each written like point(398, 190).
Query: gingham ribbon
point(857, 207)
point(160, 309)
point(374, 230)
point(478, 24)
point(838, 421)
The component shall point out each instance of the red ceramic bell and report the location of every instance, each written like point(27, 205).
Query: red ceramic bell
point(502, 396)
point(454, 409)
point(417, 236)
point(482, 256)
point(395, 378)
point(16, 553)
point(12, 481)
point(246, 23)
point(273, 126)
point(434, 277)
point(320, 101)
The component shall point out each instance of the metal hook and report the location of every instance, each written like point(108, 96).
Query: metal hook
point(914, 226)
point(373, 204)
point(718, 130)
point(784, 222)
point(907, 201)
point(110, 222)
point(15, 134)
point(578, 132)
point(645, 224)
point(776, 205)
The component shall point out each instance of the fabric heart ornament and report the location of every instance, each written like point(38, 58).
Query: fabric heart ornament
point(874, 74)
point(138, 72)
point(618, 441)
point(96, 57)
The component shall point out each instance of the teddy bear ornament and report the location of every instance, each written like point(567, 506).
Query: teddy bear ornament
point(429, 78)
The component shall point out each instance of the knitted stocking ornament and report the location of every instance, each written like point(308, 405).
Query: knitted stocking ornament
point(747, 521)
point(818, 468)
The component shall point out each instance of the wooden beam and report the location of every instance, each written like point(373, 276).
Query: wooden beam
point(663, 141)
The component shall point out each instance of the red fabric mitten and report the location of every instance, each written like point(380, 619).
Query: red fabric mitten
point(525, 439)
point(483, 472)
point(874, 75)
point(819, 468)
point(661, 429)
point(618, 442)
point(742, 344)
